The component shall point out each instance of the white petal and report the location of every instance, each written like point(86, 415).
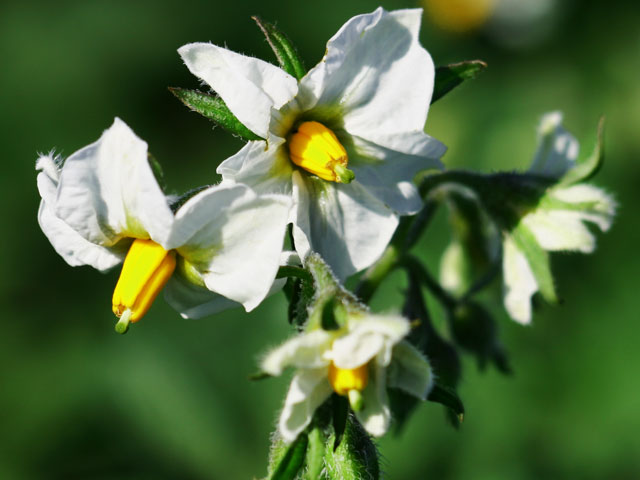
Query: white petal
point(409, 371)
point(376, 70)
point(599, 207)
point(250, 87)
point(519, 282)
point(74, 249)
point(388, 174)
point(306, 350)
point(309, 389)
point(234, 238)
point(194, 301)
point(375, 415)
point(557, 149)
point(266, 168)
point(345, 224)
point(371, 336)
point(108, 191)
point(560, 230)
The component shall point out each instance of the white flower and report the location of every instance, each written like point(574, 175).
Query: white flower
point(557, 223)
point(364, 107)
point(360, 361)
point(103, 204)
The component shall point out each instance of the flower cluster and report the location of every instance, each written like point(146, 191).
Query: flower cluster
point(330, 168)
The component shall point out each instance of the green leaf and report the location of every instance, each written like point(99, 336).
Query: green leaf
point(286, 53)
point(214, 108)
point(588, 167)
point(538, 260)
point(447, 397)
point(315, 454)
point(291, 458)
point(356, 458)
point(450, 76)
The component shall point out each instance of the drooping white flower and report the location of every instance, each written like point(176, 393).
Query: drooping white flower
point(359, 360)
point(359, 113)
point(557, 223)
point(103, 205)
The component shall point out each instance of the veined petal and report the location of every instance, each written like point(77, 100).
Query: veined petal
point(107, 191)
point(309, 389)
point(409, 371)
point(250, 87)
point(519, 282)
point(73, 248)
point(371, 336)
point(560, 230)
point(306, 350)
point(234, 238)
point(388, 173)
point(345, 224)
point(557, 148)
point(265, 168)
point(594, 204)
point(377, 71)
point(375, 416)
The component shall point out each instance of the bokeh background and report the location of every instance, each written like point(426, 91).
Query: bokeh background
point(172, 399)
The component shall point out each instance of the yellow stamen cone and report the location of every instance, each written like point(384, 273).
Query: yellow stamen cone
point(343, 380)
point(146, 270)
point(316, 149)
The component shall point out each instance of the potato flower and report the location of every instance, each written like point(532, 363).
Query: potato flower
point(103, 205)
point(359, 361)
point(344, 142)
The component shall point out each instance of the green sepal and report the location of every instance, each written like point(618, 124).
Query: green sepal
point(300, 292)
point(157, 170)
point(340, 414)
point(182, 199)
point(450, 76)
point(449, 398)
point(538, 260)
point(356, 457)
point(287, 460)
point(283, 48)
point(588, 167)
point(214, 108)
point(315, 454)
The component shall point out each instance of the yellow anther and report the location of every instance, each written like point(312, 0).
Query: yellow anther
point(147, 268)
point(317, 149)
point(460, 15)
point(343, 380)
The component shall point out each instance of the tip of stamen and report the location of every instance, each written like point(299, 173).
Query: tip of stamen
point(343, 174)
point(356, 400)
point(122, 326)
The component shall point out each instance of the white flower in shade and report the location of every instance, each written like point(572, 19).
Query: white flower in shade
point(557, 223)
point(360, 360)
point(345, 142)
point(102, 206)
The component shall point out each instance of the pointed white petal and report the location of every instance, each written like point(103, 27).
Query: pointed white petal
point(557, 149)
point(388, 174)
point(409, 371)
point(368, 337)
point(376, 70)
point(599, 207)
point(560, 230)
point(108, 191)
point(375, 415)
point(306, 350)
point(250, 87)
point(234, 238)
point(345, 224)
point(73, 248)
point(194, 301)
point(265, 168)
point(519, 282)
point(309, 389)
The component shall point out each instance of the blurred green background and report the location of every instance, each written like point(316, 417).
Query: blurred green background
point(171, 399)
